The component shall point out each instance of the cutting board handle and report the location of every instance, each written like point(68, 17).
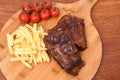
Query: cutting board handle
point(77, 6)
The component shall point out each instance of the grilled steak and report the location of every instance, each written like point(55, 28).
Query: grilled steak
point(65, 41)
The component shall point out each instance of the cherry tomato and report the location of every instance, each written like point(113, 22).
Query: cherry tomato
point(55, 12)
point(45, 14)
point(26, 7)
point(35, 17)
point(36, 7)
point(24, 17)
point(47, 4)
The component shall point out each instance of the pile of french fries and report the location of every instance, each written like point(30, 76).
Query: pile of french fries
point(27, 45)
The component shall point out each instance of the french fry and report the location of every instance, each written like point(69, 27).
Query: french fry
point(23, 49)
point(39, 57)
point(27, 35)
point(41, 29)
point(27, 44)
point(35, 26)
point(16, 46)
point(26, 64)
point(43, 57)
point(31, 58)
point(19, 59)
point(25, 52)
point(42, 49)
point(42, 44)
point(34, 59)
point(46, 57)
point(10, 43)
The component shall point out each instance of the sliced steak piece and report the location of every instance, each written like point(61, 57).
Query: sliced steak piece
point(76, 29)
point(70, 63)
point(62, 40)
point(65, 41)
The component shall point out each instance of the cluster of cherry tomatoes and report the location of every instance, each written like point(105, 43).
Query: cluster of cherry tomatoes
point(36, 12)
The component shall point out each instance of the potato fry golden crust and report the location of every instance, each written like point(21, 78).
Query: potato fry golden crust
point(27, 45)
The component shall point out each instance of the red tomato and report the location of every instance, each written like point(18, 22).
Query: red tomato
point(55, 12)
point(35, 17)
point(47, 4)
point(26, 7)
point(36, 7)
point(24, 17)
point(45, 14)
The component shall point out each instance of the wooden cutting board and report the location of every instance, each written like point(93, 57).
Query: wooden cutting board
point(52, 71)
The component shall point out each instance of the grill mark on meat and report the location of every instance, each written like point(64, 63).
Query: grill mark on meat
point(58, 50)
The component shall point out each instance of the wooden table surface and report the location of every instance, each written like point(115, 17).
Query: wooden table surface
point(106, 17)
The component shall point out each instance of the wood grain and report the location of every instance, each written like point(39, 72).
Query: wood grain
point(106, 17)
point(91, 56)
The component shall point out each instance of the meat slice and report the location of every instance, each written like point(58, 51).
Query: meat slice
point(65, 41)
point(62, 40)
point(76, 29)
point(70, 63)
